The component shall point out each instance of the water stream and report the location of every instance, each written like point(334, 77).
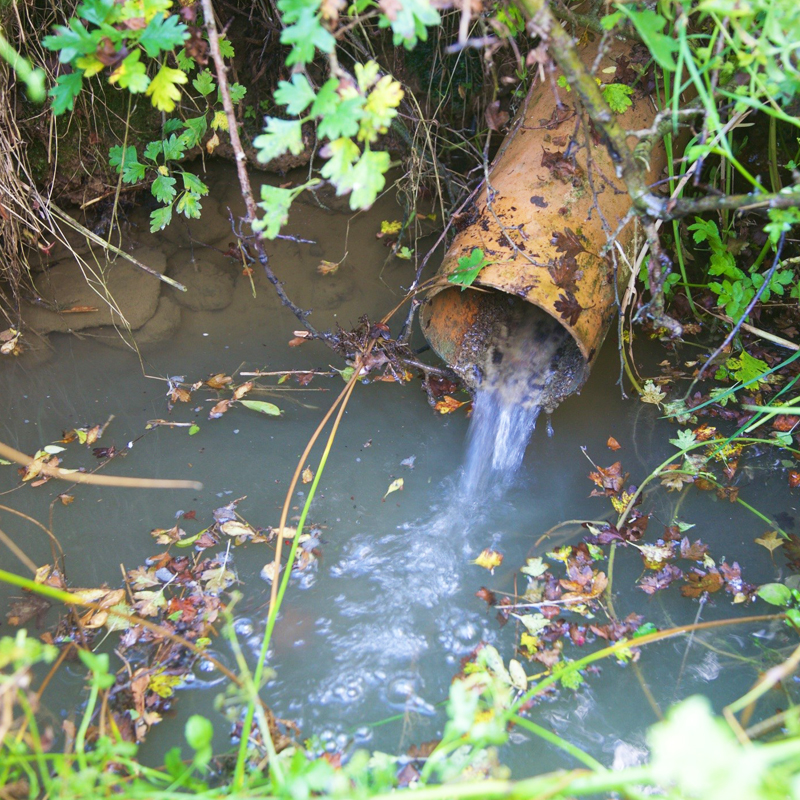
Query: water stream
point(371, 634)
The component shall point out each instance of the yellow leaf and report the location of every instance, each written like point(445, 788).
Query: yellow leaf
point(394, 486)
point(220, 121)
point(771, 540)
point(235, 528)
point(489, 559)
point(163, 89)
point(308, 475)
point(90, 65)
point(390, 228)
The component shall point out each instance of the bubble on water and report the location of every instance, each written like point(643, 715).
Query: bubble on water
point(243, 626)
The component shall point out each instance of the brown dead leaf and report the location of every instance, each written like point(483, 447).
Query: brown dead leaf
point(794, 479)
point(613, 444)
point(78, 310)
point(327, 267)
point(495, 118)
point(568, 307)
point(240, 391)
point(219, 409)
point(486, 595)
point(308, 475)
point(700, 582)
point(297, 341)
point(695, 551)
point(219, 381)
point(610, 479)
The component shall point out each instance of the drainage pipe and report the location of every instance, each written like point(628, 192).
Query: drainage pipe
point(554, 197)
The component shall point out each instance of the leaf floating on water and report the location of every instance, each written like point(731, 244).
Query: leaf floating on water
point(408, 462)
point(269, 573)
point(395, 486)
point(448, 404)
point(219, 381)
point(262, 406)
point(327, 267)
point(308, 475)
point(652, 394)
point(236, 529)
point(489, 559)
point(535, 567)
point(776, 594)
point(240, 391)
point(613, 444)
point(771, 540)
point(519, 680)
point(219, 409)
point(535, 623)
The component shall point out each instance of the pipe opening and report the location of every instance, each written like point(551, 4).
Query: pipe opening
point(496, 341)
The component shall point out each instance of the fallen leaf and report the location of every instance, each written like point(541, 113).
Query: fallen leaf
point(486, 595)
point(794, 479)
point(613, 444)
point(610, 479)
point(297, 341)
point(693, 552)
point(308, 475)
point(240, 391)
point(236, 529)
point(269, 573)
point(652, 394)
point(219, 409)
point(395, 486)
point(219, 381)
point(448, 404)
point(263, 407)
point(771, 540)
point(327, 267)
point(489, 559)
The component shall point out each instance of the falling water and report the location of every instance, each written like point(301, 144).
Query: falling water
point(518, 371)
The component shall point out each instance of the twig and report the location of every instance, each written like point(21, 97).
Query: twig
point(97, 480)
point(241, 169)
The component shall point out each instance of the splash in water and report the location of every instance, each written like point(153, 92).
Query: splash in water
point(518, 371)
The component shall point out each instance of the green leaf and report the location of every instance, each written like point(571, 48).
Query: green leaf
point(745, 368)
point(650, 25)
point(163, 89)
point(65, 91)
point(189, 205)
point(366, 180)
point(171, 125)
point(279, 136)
point(132, 170)
point(685, 440)
point(199, 732)
point(194, 429)
point(776, 594)
point(160, 218)
point(226, 48)
point(193, 184)
point(468, 269)
point(262, 407)
point(327, 99)
point(71, 42)
point(304, 30)
point(154, 150)
point(173, 148)
point(163, 34)
point(185, 62)
point(344, 121)
point(195, 131)
point(341, 153)
point(204, 83)
point(296, 96)
point(95, 11)
point(618, 97)
point(275, 203)
point(237, 92)
point(409, 21)
point(163, 188)
point(535, 623)
point(131, 74)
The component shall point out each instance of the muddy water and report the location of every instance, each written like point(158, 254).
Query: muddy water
point(371, 635)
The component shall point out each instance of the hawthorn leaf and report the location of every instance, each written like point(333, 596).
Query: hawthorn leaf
point(163, 33)
point(296, 96)
point(163, 90)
